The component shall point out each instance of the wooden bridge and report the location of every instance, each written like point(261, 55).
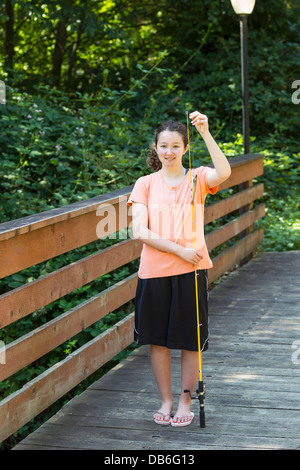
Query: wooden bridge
point(252, 381)
point(251, 369)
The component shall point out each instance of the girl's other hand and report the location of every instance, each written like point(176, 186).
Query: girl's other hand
point(200, 121)
point(191, 256)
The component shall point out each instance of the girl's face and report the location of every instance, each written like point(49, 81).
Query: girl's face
point(170, 148)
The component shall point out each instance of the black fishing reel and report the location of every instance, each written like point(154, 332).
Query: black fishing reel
point(201, 397)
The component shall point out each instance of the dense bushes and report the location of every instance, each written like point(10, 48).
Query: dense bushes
point(134, 65)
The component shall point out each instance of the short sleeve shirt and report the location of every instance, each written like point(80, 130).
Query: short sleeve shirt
point(171, 215)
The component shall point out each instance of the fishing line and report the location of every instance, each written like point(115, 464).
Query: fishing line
point(201, 389)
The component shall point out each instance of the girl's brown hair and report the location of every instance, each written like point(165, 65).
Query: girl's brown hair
point(172, 126)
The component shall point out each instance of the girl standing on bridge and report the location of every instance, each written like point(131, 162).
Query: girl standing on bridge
point(165, 313)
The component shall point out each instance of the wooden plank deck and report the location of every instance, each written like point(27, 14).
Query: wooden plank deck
point(251, 371)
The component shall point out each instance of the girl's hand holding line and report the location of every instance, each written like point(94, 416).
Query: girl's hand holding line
point(200, 121)
point(191, 256)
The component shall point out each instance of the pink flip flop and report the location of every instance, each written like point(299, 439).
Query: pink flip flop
point(183, 423)
point(163, 421)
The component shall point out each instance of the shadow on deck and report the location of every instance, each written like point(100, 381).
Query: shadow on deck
point(251, 371)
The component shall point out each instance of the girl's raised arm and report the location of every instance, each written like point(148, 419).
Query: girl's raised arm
point(221, 170)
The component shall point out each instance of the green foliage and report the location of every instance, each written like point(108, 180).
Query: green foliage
point(282, 221)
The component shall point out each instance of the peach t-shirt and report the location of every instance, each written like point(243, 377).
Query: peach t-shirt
point(170, 216)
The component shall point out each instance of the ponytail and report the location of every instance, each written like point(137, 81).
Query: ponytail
point(152, 160)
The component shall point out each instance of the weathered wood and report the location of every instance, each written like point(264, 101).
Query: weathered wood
point(232, 256)
point(31, 248)
point(24, 300)
point(135, 438)
point(35, 344)
point(229, 230)
point(243, 170)
point(38, 394)
point(17, 227)
point(232, 203)
point(252, 384)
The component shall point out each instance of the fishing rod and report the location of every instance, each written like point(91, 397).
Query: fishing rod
point(200, 391)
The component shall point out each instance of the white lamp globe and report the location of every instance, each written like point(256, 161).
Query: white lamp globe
point(243, 7)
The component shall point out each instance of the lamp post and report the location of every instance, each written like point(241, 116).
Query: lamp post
point(244, 8)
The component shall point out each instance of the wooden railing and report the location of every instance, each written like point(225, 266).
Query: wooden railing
point(31, 240)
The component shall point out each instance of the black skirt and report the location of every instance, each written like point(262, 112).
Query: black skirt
point(165, 311)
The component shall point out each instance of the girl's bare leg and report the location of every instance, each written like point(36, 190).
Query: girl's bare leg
point(161, 366)
point(189, 376)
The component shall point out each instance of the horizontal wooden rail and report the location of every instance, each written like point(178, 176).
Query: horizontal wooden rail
point(23, 405)
point(35, 239)
point(232, 203)
point(243, 168)
point(35, 344)
point(24, 300)
point(233, 228)
point(226, 260)
point(23, 225)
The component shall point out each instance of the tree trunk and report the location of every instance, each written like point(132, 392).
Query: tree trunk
point(9, 36)
point(60, 44)
point(74, 52)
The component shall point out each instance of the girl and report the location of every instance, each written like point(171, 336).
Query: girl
point(165, 306)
